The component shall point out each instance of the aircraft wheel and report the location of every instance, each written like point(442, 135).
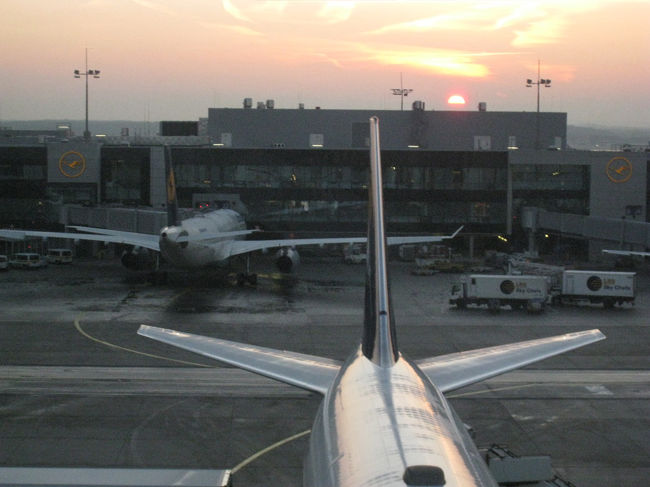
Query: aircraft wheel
point(241, 279)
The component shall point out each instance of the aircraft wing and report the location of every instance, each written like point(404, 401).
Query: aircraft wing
point(627, 252)
point(449, 372)
point(244, 246)
point(305, 371)
point(110, 236)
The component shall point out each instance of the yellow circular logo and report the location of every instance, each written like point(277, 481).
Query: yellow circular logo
point(619, 170)
point(72, 164)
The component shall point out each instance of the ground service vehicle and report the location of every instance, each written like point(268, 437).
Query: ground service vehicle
point(517, 291)
point(354, 254)
point(59, 256)
point(27, 260)
point(608, 288)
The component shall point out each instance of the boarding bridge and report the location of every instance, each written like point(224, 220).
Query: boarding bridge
point(612, 233)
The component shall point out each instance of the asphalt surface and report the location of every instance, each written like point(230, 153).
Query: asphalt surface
point(79, 387)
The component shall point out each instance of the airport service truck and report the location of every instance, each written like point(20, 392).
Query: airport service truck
point(608, 288)
point(517, 291)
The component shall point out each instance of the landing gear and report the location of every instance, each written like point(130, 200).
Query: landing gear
point(243, 278)
point(248, 276)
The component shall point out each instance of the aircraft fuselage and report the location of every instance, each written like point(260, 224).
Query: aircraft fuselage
point(375, 423)
point(199, 241)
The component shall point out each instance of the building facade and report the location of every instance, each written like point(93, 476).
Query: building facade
point(307, 171)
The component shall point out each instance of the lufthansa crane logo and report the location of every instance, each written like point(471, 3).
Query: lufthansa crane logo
point(619, 170)
point(72, 164)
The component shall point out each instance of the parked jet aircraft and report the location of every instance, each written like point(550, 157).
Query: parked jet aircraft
point(384, 420)
point(207, 240)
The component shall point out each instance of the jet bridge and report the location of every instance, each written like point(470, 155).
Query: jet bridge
point(612, 232)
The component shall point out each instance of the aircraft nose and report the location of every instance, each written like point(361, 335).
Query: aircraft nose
point(175, 236)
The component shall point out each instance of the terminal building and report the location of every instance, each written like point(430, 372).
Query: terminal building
point(305, 171)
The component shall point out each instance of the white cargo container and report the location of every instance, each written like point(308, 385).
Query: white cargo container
point(495, 291)
point(608, 288)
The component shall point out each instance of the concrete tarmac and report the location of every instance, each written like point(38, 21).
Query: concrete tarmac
point(79, 387)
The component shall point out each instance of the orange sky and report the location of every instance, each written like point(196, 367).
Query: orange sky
point(171, 60)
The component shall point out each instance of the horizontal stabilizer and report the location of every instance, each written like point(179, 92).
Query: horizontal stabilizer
point(449, 372)
point(305, 371)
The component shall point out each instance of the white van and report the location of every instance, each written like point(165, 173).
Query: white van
point(59, 256)
point(27, 260)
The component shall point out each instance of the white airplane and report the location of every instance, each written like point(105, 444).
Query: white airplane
point(384, 420)
point(207, 240)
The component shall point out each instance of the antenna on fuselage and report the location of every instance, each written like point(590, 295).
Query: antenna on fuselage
point(172, 203)
point(379, 341)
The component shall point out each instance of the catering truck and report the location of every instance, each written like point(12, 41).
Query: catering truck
point(608, 288)
point(516, 291)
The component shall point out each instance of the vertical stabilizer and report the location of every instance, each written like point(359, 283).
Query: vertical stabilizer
point(172, 204)
point(379, 343)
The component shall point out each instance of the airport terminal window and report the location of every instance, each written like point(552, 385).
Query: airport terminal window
point(308, 211)
point(125, 176)
point(328, 186)
point(23, 163)
point(576, 206)
point(549, 177)
point(467, 178)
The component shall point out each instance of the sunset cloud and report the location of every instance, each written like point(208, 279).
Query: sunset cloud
point(230, 8)
point(344, 52)
point(237, 29)
point(335, 12)
point(440, 61)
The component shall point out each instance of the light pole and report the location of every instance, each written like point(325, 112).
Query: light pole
point(88, 72)
point(529, 84)
point(402, 92)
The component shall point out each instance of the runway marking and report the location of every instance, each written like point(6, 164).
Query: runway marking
point(77, 325)
point(264, 451)
point(599, 389)
point(485, 391)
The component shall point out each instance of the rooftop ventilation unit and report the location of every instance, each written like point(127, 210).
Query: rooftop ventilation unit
point(482, 106)
point(270, 104)
point(418, 105)
point(248, 103)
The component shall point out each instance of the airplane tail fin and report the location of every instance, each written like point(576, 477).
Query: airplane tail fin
point(172, 204)
point(379, 341)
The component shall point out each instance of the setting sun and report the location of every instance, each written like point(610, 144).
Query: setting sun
point(456, 100)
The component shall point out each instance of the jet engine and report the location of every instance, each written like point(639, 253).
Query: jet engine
point(286, 259)
point(138, 259)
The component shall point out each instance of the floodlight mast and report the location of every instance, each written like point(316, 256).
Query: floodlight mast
point(88, 72)
point(401, 91)
point(540, 82)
